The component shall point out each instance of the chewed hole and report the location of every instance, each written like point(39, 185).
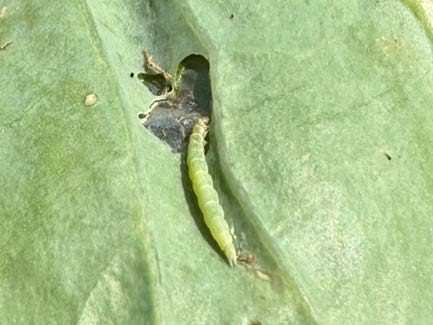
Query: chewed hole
point(183, 100)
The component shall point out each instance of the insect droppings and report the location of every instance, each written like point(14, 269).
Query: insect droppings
point(90, 99)
point(207, 196)
point(5, 45)
point(3, 12)
point(262, 275)
point(247, 259)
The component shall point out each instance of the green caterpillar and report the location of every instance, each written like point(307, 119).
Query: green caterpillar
point(207, 196)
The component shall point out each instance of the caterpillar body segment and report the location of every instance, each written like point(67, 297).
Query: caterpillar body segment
point(207, 196)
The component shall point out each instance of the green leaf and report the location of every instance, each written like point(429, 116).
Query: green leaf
point(321, 147)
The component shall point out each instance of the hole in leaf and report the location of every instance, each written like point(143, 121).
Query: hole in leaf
point(156, 83)
point(171, 118)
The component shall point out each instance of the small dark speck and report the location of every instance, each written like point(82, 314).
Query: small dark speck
point(232, 16)
point(131, 74)
point(388, 156)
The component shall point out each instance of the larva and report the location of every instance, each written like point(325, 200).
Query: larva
point(207, 196)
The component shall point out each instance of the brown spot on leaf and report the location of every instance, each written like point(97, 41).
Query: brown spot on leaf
point(254, 322)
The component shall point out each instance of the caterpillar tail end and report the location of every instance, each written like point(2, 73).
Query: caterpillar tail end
point(231, 256)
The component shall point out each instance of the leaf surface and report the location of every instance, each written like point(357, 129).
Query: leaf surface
point(320, 146)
